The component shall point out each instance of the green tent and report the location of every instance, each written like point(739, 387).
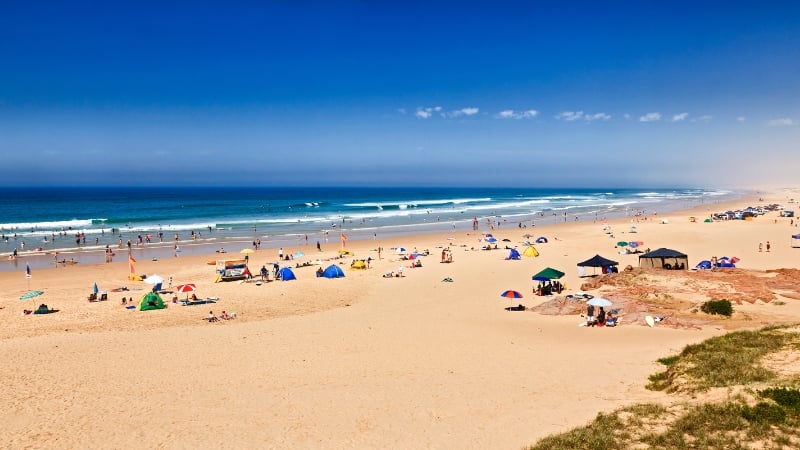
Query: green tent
point(151, 300)
point(548, 274)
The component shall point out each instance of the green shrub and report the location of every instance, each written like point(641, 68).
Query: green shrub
point(789, 398)
point(721, 307)
point(765, 413)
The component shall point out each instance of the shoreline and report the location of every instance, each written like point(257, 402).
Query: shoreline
point(96, 254)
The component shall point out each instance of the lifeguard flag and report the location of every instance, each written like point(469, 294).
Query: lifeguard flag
point(131, 264)
point(344, 239)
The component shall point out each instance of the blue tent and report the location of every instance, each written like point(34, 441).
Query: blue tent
point(513, 254)
point(333, 271)
point(541, 240)
point(705, 264)
point(286, 274)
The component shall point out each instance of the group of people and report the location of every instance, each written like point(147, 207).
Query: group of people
point(549, 288)
point(603, 318)
point(224, 316)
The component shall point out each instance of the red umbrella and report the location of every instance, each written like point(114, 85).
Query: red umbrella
point(186, 288)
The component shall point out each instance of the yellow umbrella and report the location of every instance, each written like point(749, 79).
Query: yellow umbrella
point(247, 250)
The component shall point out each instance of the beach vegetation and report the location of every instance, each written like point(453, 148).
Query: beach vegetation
point(761, 409)
point(721, 307)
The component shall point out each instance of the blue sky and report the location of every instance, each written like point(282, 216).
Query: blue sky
point(639, 94)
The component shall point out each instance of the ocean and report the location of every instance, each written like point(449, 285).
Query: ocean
point(46, 225)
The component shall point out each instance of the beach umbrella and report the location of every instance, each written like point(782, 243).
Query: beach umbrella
point(247, 251)
point(30, 294)
point(401, 249)
point(622, 244)
point(299, 254)
point(154, 279)
point(94, 289)
point(186, 288)
point(599, 301)
point(511, 294)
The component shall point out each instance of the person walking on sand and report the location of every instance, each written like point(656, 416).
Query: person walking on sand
point(760, 247)
point(768, 246)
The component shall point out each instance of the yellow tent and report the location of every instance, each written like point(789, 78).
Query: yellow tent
point(530, 252)
point(358, 264)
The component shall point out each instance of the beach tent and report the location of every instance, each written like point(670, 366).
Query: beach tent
point(513, 254)
point(664, 258)
point(703, 265)
point(541, 240)
point(286, 274)
point(333, 271)
point(548, 274)
point(358, 264)
point(151, 300)
point(796, 240)
point(530, 252)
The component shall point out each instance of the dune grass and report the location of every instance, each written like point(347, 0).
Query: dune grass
point(761, 417)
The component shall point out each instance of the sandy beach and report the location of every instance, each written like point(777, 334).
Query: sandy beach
point(367, 361)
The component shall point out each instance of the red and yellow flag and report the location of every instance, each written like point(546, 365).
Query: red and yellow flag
point(131, 264)
point(344, 239)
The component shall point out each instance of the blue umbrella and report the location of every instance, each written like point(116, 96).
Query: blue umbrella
point(511, 294)
point(94, 289)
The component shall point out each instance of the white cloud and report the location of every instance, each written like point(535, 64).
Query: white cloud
point(680, 117)
point(741, 118)
point(650, 117)
point(423, 113)
point(511, 114)
point(597, 116)
point(570, 116)
point(704, 118)
point(782, 122)
point(626, 115)
point(470, 111)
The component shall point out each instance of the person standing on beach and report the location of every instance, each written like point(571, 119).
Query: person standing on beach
point(760, 247)
point(280, 254)
point(768, 246)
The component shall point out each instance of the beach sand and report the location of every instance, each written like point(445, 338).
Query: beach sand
point(367, 361)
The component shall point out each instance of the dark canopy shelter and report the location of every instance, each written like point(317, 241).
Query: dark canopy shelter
point(664, 258)
point(548, 274)
point(597, 261)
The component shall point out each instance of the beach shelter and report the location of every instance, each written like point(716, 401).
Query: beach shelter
point(664, 258)
point(513, 254)
point(151, 300)
point(530, 252)
point(333, 271)
point(598, 261)
point(286, 274)
point(358, 264)
point(796, 240)
point(541, 240)
point(548, 274)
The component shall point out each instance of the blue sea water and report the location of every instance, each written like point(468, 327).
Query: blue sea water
point(49, 219)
